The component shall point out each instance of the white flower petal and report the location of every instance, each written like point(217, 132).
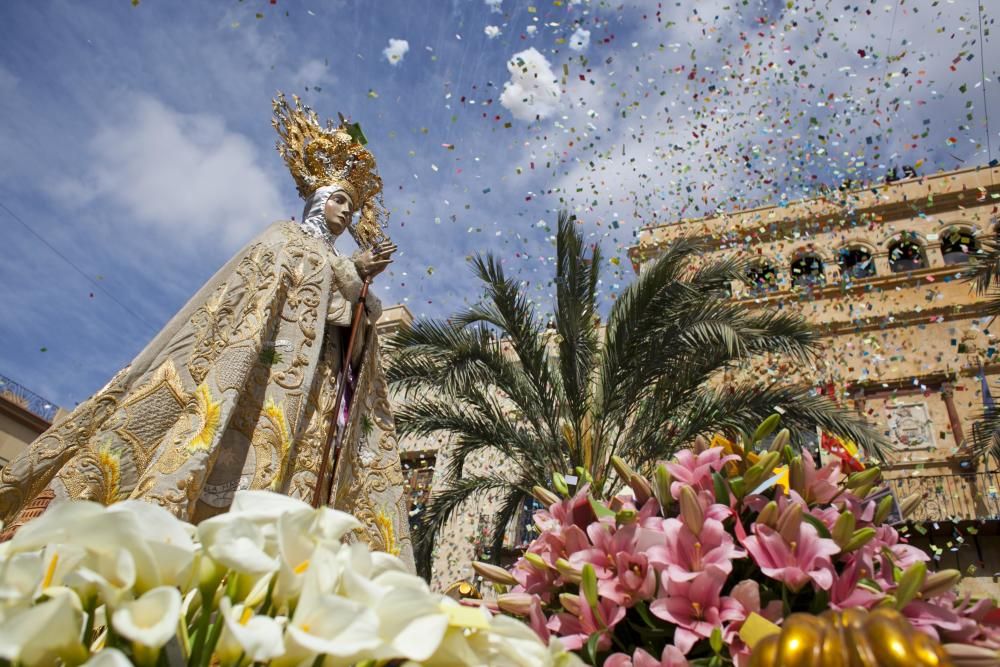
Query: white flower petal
point(152, 619)
point(37, 634)
point(109, 657)
point(258, 637)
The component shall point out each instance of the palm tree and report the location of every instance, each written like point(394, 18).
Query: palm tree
point(986, 275)
point(644, 386)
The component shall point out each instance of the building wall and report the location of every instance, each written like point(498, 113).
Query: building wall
point(903, 349)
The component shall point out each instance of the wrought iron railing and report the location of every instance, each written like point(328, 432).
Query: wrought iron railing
point(951, 497)
point(20, 395)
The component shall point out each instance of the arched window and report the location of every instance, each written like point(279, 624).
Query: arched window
point(762, 276)
point(808, 270)
point(906, 254)
point(856, 262)
point(957, 245)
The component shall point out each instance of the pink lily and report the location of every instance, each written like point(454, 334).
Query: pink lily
point(607, 540)
point(684, 555)
point(697, 469)
point(695, 607)
point(574, 629)
point(795, 564)
point(846, 592)
point(671, 657)
point(635, 580)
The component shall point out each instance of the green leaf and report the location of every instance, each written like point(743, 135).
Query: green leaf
point(721, 490)
point(590, 649)
point(600, 509)
point(646, 617)
point(820, 527)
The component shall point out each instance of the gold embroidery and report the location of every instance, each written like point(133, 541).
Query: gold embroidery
point(207, 411)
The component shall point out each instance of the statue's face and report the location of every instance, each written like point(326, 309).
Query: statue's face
point(337, 211)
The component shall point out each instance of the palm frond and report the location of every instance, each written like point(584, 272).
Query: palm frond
point(576, 308)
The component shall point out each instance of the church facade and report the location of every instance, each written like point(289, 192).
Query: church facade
point(883, 274)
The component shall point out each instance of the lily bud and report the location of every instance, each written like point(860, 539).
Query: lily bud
point(769, 515)
point(940, 582)
point(860, 479)
point(859, 539)
point(968, 655)
point(910, 583)
point(755, 475)
point(766, 427)
point(780, 440)
point(882, 511)
point(494, 573)
point(691, 512)
point(643, 491)
point(536, 561)
point(863, 491)
point(797, 475)
point(518, 604)
point(588, 585)
point(910, 503)
point(559, 482)
point(570, 603)
point(843, 529)
point(790, 523)
point(662, 481)
point(544, 496)
point(738, 486)
point(622, 468)
point(626, 516)
point(700, 444)
point(568, 572)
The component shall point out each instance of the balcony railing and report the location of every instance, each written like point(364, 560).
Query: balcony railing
point(27, 399)
point(952, 497)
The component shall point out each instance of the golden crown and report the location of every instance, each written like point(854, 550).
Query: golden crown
point(319, 156)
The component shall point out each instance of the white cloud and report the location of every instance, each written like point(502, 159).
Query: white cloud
point(396, 50)
point(531, 30)
point(312, 73)
point(533, 90)
point(181, 174)
point(494, 5)
point(579, 40)
point(492, 31)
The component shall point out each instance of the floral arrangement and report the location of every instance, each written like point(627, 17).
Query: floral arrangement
point(707, 557)
point(269, 582)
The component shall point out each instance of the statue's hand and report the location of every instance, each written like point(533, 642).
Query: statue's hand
point(372, 262)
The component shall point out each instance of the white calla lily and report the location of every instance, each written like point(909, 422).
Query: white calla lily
point(257, 638)
point(40, 634)
point(20, 576)
point(172, 548)
point(59, 524)
point(330, 625)
point(150, 621)
point(411, 624)
point(264, 506)
point(237, 543)
point(109, 657)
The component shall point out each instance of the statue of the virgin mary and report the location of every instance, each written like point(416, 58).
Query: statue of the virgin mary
point(238, 389)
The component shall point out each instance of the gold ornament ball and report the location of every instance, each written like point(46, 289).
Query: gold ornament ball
point(852, 638)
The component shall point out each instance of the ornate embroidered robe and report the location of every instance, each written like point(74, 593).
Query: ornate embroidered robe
point(236, 392)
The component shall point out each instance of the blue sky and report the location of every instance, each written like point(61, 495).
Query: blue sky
point(137, 142)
